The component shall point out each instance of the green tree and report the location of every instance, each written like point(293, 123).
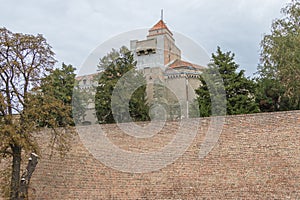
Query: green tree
point(62, 85)
point(121, 82)
point(25, 60)
point(270, 95)
point(279, 70)
point(59, 84)
point(239, 90)
point(110, 57)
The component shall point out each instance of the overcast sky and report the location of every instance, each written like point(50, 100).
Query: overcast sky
point(75, 28)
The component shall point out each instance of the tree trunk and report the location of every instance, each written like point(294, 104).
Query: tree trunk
point(15, 175)
point(26, 176)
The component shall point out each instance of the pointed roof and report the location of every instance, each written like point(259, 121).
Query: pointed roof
point(160, 25)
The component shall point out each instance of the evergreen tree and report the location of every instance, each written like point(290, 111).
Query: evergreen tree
point(59, 84)
point(121, 82)
point(239, 90)
point(270, 95)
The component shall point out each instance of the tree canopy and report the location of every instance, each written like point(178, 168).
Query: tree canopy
point(239, 89)
point(279, 70)
point(59, 85)
point(121, 84)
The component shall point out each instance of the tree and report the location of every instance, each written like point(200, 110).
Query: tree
point(279, 70)
point(61, 85)
point(25, 60)
point(121, 82)
point(110, 57)
point(239, 90)
point(270, 95)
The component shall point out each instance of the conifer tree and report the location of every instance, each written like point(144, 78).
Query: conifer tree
point(114, 66)
point(239, 89)
point(58, 84)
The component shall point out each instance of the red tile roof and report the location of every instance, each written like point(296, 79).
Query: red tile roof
point(180, 63)
point(160, 25)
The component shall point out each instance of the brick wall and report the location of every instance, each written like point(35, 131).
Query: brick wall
point(257, 157)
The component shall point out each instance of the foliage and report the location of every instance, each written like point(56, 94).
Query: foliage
point(25, 60)
point(59, 86)
point(239, 90)
point(122, 83)
point(110, 57)
point(270, 95)
point(279, 71)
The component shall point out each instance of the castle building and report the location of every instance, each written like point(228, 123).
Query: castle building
point(160, 60)
point(170, 80)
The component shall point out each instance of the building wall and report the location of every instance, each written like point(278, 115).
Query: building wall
point(171, 51)
point(87, 86)
point(182, 88)
point(153, 76)
point(257, 157)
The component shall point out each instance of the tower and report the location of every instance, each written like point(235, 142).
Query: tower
point(159, 59)
point(157, 50)
point(154, 54)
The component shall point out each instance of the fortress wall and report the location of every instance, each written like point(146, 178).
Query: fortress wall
point(257, 157)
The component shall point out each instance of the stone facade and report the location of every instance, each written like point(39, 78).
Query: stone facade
point(257, 157)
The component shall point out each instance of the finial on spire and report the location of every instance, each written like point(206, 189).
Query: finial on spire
point(162, 15)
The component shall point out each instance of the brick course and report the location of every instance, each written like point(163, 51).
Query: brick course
point(257, 157)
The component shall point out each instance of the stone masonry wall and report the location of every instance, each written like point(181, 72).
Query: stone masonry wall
point(257, 157)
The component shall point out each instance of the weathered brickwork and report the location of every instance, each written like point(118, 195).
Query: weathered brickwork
point(257, 157)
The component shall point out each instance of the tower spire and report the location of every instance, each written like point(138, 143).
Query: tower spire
point(162, 15)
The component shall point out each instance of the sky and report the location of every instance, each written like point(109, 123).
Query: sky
point(75, 28)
